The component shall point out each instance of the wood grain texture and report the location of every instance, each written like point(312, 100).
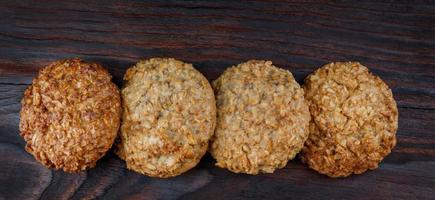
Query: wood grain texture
point(396, 40)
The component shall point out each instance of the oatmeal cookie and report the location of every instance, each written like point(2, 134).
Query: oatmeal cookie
point(354, 120)
point(169, 116)
point(70, 115)
point(262, 118)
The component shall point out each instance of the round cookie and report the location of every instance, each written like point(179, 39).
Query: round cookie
point(354, 120)
point(262, 118)
point(70, 115)
point(169, 117)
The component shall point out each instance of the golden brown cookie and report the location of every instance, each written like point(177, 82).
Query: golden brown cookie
point(169, 116)
point(354, 120)
point(70, 115)
point(262, 118)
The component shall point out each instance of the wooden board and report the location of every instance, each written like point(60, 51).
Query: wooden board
point(395, 40)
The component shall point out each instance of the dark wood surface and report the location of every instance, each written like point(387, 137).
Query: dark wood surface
point(396, 40)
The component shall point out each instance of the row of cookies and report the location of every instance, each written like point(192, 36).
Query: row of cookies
point(343, 120)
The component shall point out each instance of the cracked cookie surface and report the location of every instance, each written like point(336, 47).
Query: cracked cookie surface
point(70, 115)
point(354, 120)
point(262, 118)
point(169, 116)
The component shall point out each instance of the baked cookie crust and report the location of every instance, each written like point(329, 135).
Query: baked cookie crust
point(354, 120)
point(169, 116)
point(70, 115)
point(262, 118)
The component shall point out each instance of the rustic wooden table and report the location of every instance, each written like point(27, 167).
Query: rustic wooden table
point(395, 40)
